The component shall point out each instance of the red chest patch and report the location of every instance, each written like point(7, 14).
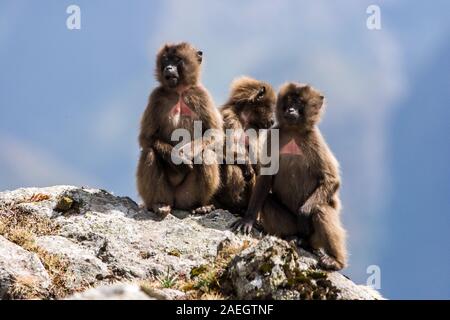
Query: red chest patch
point(181, 108)
point(291, 148)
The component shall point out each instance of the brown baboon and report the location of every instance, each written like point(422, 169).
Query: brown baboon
point(250, 106)
point(177, 102)
point(304, 197)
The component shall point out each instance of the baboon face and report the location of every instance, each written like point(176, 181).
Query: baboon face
point(254, 101)
point(178, 64)
point(299, 105)
point(257, 116)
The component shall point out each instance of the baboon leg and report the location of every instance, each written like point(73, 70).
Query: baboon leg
point(186, 193)
point(329, 235)
point(277, 219)
point(234, 182)
point(152, 183)
point(209, 182)
point(235, 191)
point(198, 188)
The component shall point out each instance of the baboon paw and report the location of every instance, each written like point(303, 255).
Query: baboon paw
point(162, 210)
point(243, 226)
point(329, 263)
point(203, 210)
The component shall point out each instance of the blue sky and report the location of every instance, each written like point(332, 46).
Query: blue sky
point(70, 103)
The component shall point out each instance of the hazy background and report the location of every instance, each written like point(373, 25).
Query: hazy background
point(70, 103)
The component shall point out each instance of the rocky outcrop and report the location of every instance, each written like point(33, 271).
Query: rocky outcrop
point(276, 269)
point(59, 241)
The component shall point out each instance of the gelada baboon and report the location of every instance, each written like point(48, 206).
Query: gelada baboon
point(304, 199)
point(250, 105)
point(177, 102)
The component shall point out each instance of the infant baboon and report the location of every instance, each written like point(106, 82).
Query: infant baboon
point(304, 197)
point(177, 102)
point(250, 106)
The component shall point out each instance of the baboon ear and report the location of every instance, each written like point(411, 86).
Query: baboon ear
point(200, 56)
point(261, 91)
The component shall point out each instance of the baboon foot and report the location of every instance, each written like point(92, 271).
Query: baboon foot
point(162, 210)
point(203, 210)
point(328, 263)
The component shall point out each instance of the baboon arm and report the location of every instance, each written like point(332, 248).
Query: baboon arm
point(145, 140)
point(163, 149)
point(230, 119)
point(329, 180)
point(200, 101)
point(261, 190)
point(149, 121)
point(323, 194)
point(231, 122)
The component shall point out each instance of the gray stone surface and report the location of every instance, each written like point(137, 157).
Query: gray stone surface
point(83, 266)
point(108, 239)
point(20, 266)
point(276, 269)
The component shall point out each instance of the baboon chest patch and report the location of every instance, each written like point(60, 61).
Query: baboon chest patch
point(181, 108)
point(291, 148)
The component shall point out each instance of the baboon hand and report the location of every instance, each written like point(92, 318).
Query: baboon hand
point(184, 160)
point(243, 225)
point(306, 208)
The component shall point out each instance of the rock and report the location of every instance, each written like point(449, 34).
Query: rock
point(99, 238)
point(84, 267)
point(20, 270)
point(276, 269)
